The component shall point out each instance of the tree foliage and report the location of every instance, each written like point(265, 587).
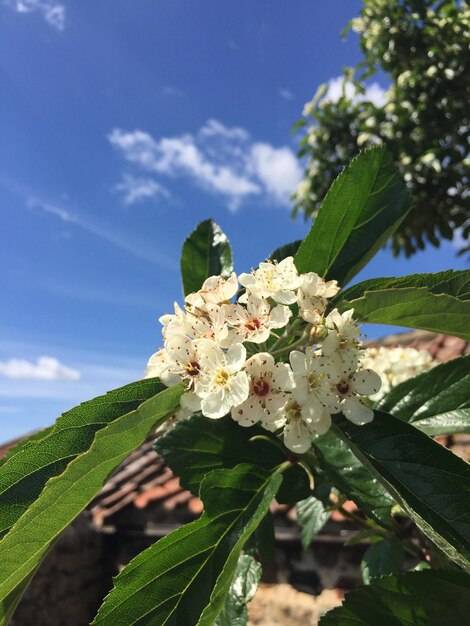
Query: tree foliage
point(422, 47)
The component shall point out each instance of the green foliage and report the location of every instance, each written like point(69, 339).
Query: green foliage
point(422, 47)
point(206, 252)
point(364, 206)
point(341, 468)
point(427, 598)
point(198, 445)
point(436, 302)
point(242, 591)
point(430, 483)
point(66, 495)
point(31, 464)
point(312, 516)
point(437, 402)
point(198, 575)
point(185, 577)
point(382, 558)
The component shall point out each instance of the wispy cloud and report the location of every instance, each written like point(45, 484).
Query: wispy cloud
point(45, 368)
point(374, 92)
point(286, 94)
point(137, 189)
point(136, 249)
point(52, 11)
point(223, 160)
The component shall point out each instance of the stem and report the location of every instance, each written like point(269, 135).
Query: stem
point(290, 347)
point(362, 522)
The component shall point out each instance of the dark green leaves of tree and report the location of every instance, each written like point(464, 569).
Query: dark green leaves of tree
point(437, 302)
point(67, 494)
point(184, 578)
point(382, 558)
point(206, 252)
point(198, 445)
point(436, 402)
point(24, 474)
point(430, 483)
point(341, 468)
point(428, 598)
point(363, 208)
point(312, 516)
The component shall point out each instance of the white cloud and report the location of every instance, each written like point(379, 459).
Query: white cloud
point(286, 94)
point(220, 159)
point(45, 368)
point(52, 11)
point(136, 189)
point(277, 169)
point(374, 92)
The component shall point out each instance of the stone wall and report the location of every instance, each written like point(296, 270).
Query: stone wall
point(71, 582)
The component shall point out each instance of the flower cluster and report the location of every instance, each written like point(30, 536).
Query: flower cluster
point(271, 356)
point(395, 365)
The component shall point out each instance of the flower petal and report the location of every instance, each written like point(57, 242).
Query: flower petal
point(235, 357)
point(297, 436)
point(357, 412)
point(366, 382)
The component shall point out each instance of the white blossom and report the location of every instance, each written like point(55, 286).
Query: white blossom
point(313, 296)
point(395, 365)
point(269, 384)
point(222, 383)
point(302, 419)
point(215, 290)
point(255, 321)
point(361, 383)
point(342, 338)
point(278, 281)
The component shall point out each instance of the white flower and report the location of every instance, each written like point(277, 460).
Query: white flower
point(181, 360)
point(364, 383)
point(342, 338)
point(211, 324)
point(215, 290)
point(158, 364)
point(312, 296)
point(173, 324)
point(301, 421)
point(269, 382)
point(314, 375)
point(255, 321)
point(395, 365)
point(278, 281)
point(222, 385)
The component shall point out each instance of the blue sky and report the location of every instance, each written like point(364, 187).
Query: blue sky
point(123, 125)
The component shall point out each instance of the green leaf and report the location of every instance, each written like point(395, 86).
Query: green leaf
point(427, 598)
point(451, 282)
point(67, 494)
point(206, 252)
point(198, 445)
point(312, 516)
point(47, 454)
point(429, 482)
point(343, 470)
point(437, 402)
point(436, 302)
point(288, 249)
point(242, 591)
point(184, 578)
point(363, 208)
point(382, 558)
point(23, 443)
